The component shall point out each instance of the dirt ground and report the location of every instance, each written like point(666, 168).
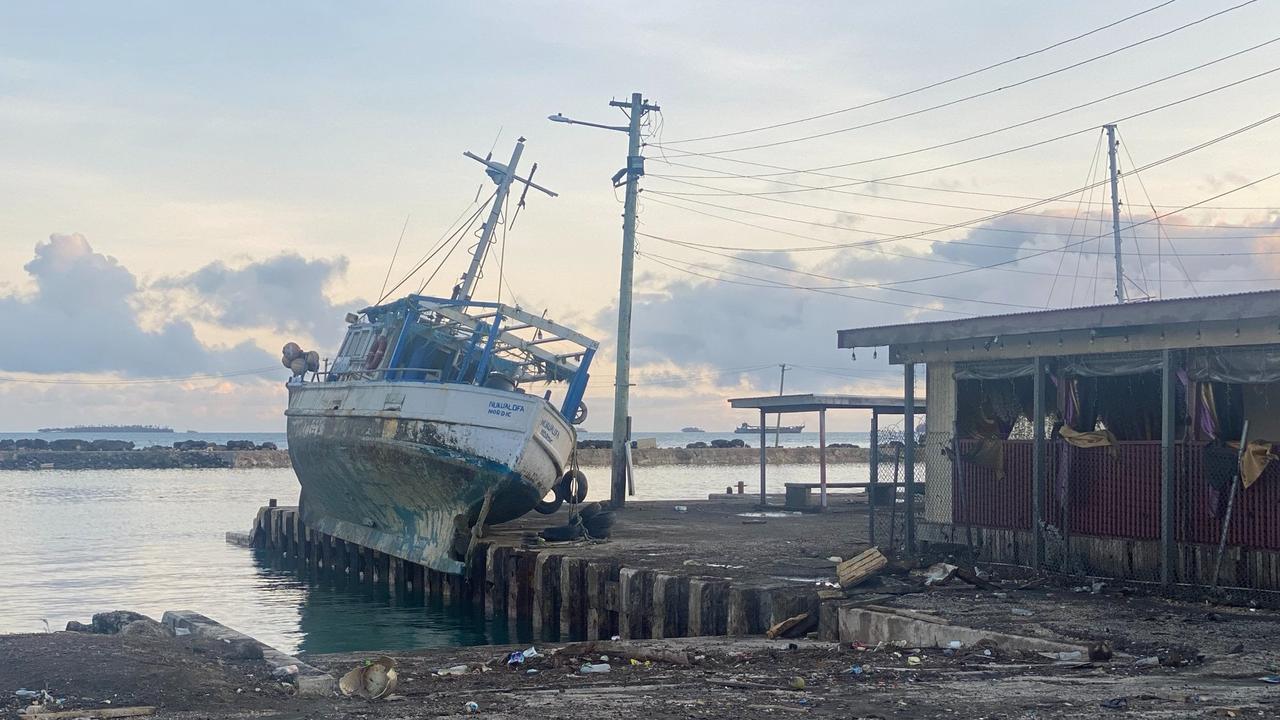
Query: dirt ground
point(85, 670)
point(724, 677)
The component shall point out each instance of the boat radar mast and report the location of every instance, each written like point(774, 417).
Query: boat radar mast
point(503, 176)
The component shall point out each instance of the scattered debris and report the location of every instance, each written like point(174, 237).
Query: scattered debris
point(103, 713)
point(797, 683)
point(1270, 679)
point(1149, 661)
point(857, 569)
point(1119, 703)
point(1021, 612)
point(793, 627)
point(373, 679)
point(1072, 656)
point(589, 668)
point(471, 707)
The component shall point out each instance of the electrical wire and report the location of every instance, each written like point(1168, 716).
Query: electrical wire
point(929, 86)
point(819, 171)
point(885, 284)
point(1000, 153)
point(977, 221)
point(984, 93)
point(910, 256)
point(1159, 226)
point(1088, 178)
point(1015, 231)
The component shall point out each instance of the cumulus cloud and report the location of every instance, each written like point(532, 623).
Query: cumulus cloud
point(81, 318)
point(286, 293)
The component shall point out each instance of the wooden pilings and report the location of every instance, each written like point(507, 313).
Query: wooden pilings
point(561, 594)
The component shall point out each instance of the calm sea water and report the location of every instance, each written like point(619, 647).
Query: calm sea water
point(153, 540)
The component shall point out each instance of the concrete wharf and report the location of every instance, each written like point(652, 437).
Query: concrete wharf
point(671, 568)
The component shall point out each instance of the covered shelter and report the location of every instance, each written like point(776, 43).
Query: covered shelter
point(1094, 439)
point(786, 404)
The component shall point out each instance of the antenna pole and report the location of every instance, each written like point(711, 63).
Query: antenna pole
point(777, 428)
point(503, 176)
point(637, 108)
point(1115, 209)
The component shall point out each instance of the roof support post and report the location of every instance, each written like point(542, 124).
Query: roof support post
point(1037, 465)
point(909, 451)
point(875, 476)
point(1168, 421)
point(822, 458)
point(764, 498)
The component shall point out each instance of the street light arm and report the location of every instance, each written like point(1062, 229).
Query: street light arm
point(570, 121)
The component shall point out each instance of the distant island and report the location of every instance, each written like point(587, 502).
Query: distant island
point(109, 428)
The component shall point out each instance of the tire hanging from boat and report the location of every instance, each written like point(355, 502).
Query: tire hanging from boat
point(572, 487)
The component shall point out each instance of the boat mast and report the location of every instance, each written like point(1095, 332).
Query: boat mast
point(503, 175)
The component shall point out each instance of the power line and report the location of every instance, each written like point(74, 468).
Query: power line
point(1159, 226)
point(1042, 201)
point(1015, 231)
point(984, 93)
point(908, 256)
point(1088, 178)
point(929, 86)
point(819, 171)
point(884, 285)
point(1009, 151)
point(778, 284)
point(853, 285)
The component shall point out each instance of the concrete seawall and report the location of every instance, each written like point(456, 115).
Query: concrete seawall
point(147, 459)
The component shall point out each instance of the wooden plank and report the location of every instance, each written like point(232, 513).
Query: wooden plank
point(853, 571)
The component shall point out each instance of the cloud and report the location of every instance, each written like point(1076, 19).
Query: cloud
point(698, 327)
point(285, 293)
point(81, 318)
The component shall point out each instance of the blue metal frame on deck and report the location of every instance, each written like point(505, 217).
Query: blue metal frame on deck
point(461, 325)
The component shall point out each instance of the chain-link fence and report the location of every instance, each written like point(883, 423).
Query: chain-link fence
point(1096, 511)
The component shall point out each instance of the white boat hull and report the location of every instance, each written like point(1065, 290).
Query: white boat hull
point(404, 467)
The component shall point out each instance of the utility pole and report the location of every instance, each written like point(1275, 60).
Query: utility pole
point(777, 429)
point(1115, 209)
point(636, 109)
point(622, 379)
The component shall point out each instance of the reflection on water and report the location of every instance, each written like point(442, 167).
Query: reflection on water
point(85, 541)
point(337, 616)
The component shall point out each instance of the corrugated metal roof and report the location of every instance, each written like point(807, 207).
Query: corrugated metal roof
point(1215, 308)
point(810, 402)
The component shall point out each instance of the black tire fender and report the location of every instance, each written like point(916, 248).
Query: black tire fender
point(572, 487)
point(548, 507)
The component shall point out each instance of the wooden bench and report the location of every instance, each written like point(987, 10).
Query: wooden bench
point(882, 493)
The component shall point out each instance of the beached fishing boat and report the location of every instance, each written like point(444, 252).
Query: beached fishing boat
point(439, 413)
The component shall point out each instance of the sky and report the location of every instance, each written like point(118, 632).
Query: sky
point(184, 188)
